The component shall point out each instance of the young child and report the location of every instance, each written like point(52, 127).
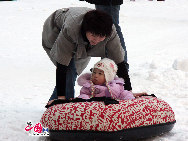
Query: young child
point(103, 82)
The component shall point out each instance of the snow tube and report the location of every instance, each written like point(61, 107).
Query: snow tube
point(106, 119)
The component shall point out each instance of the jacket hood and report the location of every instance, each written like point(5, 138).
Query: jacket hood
point(117, 80)
point(84, 79)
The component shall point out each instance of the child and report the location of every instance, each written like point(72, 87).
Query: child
point(103, 82)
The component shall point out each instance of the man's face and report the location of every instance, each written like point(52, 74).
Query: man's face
point(93, 38)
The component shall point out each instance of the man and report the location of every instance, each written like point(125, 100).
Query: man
point(71, 36)
point(112, 7)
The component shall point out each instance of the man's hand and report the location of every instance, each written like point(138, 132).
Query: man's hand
point(59, 97)
point(136, 95)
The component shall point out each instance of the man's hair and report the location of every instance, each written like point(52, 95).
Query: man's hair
point(97, 22)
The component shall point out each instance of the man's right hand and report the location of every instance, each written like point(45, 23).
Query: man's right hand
point(59, 97)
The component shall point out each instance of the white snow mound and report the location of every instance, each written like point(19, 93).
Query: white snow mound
point(181, 64)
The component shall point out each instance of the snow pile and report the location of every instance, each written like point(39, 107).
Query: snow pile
point(181, 64)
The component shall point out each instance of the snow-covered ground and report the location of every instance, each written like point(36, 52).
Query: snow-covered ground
point(156, 36)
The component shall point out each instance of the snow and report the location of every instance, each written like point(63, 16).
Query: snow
point(155, 33)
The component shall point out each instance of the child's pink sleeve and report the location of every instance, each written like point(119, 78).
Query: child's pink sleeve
point(126, 95)
point(84, 93)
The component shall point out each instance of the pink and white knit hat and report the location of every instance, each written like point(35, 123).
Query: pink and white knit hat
point(109, 67)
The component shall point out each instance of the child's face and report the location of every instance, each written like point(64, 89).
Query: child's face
point(98, 77)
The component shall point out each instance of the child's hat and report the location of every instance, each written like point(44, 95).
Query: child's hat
point(109, 67)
